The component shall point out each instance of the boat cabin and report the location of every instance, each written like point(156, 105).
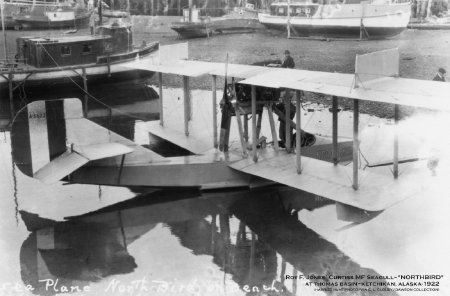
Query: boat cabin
point(74, 50)
point(297, 9)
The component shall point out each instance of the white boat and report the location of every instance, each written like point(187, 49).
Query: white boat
point(12, 8)
point(346, 18)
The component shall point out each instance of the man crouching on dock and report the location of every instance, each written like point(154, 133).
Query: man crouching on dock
point(288, 61)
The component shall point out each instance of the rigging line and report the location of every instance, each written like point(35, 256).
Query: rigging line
point(365, 159)
point(90, 95)
point(364, 177)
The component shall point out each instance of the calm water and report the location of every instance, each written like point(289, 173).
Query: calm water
point(99, 240)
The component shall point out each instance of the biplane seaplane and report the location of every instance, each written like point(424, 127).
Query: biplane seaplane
point(53, 141)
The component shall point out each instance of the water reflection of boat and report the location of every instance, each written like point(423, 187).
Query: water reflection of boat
point(239, 20)
point(347, 18)
point(116, 106)
point(243, 231)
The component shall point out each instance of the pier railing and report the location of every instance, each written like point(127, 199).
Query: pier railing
point(7, 65)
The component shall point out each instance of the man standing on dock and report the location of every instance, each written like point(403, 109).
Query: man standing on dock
point(440, 76)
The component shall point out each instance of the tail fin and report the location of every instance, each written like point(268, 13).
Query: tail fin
point(51, 139)
point(38, 135)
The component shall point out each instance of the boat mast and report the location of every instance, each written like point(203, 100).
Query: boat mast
point(2, 8)
point(100, 12)
point(288, 19)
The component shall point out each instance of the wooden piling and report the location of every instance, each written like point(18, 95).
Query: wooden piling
point(11, 94)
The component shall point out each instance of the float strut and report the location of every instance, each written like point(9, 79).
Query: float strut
point(161, 102)
point(335, 131)
point(396, 118)
point(355, 143)
point(254, 139)
point(298, 136)
point(214, 94)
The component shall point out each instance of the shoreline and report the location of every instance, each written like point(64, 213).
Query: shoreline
point(421, 54)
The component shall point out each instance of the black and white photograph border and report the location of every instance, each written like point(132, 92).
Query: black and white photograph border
point(198, 147)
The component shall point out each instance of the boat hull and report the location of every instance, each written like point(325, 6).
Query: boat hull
point(235, 25)
point(350, 20)
point(43, 23)
point(9, 22)
point(95, 73)
point(235, 22)
point(12, 9)
point(191, 30)
point(338, 31)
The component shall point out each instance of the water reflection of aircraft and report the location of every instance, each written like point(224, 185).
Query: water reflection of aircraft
point(267, 227)
point(93, 246)
point(251, 235)
point(52, 140)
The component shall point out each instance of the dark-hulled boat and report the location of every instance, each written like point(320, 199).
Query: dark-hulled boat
point(44, 61)
point(240, 20)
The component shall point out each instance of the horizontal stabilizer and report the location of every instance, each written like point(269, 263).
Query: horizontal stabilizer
point(60, 167)
point(70, 161)
point(43, 132)
point(103, 150)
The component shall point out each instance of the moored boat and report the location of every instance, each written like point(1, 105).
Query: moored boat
point(238, 20)
point(15, 7)
point(342, 18)
point(54, 18)
point(69, 59)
